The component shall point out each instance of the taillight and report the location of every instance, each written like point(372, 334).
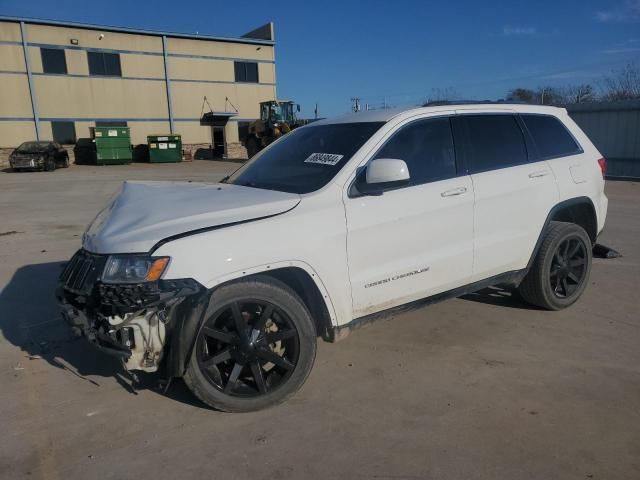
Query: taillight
point(603, 166)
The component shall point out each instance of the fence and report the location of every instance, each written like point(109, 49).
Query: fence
point(614, 128)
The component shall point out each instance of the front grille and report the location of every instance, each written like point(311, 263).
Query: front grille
point(82, 272)
point(24, 162)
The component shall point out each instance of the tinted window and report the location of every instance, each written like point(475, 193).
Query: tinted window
point(427, 148)
point(246, 72)
point(305, 159)
point(492, 142)
point(550, 136)
point(64, 132)
point(101, 63)
point(53, 60)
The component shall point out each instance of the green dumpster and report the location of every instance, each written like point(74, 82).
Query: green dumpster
point(113, 145)
point(165, 148)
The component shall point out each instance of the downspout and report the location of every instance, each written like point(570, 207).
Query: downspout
point(32, 91)
point(167, 79)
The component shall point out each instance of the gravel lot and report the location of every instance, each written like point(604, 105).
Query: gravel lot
point(479, 387)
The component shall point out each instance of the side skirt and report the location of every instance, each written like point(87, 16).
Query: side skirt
point(513, 278)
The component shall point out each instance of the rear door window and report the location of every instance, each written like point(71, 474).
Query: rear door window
point(551, 137)
point(490, 141)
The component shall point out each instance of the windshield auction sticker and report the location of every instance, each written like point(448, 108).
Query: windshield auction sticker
point(324, 158)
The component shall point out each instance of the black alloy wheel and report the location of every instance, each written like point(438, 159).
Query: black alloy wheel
point(568, 267)
point(248, 348)
point(560, 270)
point(255, 347)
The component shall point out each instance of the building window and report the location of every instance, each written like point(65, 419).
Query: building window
point(101, 63)
point(53, 60)
point(111, 123)
point(246, 72)
point(64, 132)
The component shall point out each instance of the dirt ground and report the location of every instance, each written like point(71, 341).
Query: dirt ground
point(481, 387)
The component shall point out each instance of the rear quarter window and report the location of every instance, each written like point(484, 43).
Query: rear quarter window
point(551, 137)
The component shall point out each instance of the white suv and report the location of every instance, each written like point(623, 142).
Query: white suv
point(337, 223)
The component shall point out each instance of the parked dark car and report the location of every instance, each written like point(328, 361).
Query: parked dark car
point(39, 156)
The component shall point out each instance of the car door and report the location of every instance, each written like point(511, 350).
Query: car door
point(414, 241)
point(513, 193)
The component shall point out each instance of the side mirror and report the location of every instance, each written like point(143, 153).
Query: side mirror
point(387, 170)
point(298, 107)
point(383, 174)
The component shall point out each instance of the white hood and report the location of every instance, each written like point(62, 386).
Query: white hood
point(144, 213)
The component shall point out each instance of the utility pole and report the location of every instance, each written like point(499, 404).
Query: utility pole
point(355, 104)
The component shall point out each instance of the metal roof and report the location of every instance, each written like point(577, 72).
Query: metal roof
point(108, 28)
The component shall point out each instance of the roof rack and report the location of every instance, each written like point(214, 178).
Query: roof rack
point(440, 103)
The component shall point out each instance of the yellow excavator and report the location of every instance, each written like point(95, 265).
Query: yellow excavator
point(277, 118)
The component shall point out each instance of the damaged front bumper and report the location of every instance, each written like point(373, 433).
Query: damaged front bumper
point(134, 322)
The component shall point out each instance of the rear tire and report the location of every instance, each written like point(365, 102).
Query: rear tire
point(560, 271)
point(255, 347)
point(252, 147)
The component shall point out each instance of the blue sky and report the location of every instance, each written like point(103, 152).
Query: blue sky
point(396, 52)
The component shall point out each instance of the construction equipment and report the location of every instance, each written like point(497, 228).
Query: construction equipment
point(277, 118)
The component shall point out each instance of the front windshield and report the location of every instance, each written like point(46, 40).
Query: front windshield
point(305, 159)
point(33, 146)
point(276, 112)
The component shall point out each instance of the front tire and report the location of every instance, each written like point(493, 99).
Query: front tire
point(49, 165)
point(255, 347)
point(561, 269)
point(252, 147)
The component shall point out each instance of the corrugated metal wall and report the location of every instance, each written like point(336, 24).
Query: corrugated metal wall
point(614, 128)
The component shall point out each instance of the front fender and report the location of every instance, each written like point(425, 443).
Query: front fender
point(189, 318)
point(269, 267)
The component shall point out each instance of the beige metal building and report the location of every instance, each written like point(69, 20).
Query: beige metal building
point(58, 79)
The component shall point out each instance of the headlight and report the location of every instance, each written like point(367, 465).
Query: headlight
point(134, 268)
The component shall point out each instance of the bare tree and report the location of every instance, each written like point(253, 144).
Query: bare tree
point(623, 84)
point(522, 95)
point(579, 93)
point(553, 95)
point(441, 95)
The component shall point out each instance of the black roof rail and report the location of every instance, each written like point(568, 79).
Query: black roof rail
point(441, 103)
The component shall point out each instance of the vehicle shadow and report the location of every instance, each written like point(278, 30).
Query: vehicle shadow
point(30, 319)
point(499, 296)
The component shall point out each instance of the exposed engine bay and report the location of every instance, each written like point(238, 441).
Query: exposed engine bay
point(143, 334)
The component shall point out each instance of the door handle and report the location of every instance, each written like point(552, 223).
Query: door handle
point(453, 192)
point(540, 173)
